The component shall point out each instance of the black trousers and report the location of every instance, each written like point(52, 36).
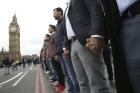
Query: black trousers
point(107, 60)
point(58, 68)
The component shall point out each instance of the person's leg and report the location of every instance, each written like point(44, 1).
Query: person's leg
point(94, 69)
point(54, 73)
point(130, 43)
point(107, 60)
point(79, 70)
point(46, 67)
point(8, 69)
point(61, 77)
point(64, 68)
point(71, 73)
point(5, 68)
point(108, 63)
point(47, 62)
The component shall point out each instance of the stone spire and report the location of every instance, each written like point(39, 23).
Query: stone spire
point(14, 21)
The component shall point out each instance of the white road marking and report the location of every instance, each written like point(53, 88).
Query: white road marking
point(31, 68)
point(20, 79)
point(11, 78)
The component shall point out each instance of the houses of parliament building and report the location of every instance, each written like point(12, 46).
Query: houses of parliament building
point(14, 42)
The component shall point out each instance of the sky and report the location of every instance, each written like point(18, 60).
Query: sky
point(33, 17)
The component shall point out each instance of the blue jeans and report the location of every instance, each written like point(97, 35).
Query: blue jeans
point(54, 73)
point(69, 73)
point(47, 62)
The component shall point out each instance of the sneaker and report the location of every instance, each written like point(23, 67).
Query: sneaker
point(48, 72)
point(53, 80)
point(59, 88)
point(56, 84)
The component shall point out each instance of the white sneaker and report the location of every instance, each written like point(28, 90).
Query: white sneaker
point(48, 72)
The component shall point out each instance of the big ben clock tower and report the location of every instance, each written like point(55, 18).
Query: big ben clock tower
point(14, 40)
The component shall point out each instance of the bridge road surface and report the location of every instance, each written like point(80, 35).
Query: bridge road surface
point(28, 80)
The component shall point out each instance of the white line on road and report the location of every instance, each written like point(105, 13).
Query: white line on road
point(11, 78)
point(31, 68)
point(20, 79)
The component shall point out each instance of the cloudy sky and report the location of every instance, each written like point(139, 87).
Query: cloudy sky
point(33, 17)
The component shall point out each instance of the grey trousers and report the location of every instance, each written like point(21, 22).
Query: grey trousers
point(129, 39)
point(89, 70)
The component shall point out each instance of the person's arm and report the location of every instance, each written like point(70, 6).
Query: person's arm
point(97, 32)
point(66, 43)
point(96, 12)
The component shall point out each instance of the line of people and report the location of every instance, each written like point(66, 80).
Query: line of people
point(7, 63)
point(78, 47)
point(60, 66)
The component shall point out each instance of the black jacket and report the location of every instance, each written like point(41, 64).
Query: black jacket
point(6, 62)
point(86, 18)
point(59, 37)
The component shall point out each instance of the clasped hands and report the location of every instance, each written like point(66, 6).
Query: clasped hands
point(94, 44)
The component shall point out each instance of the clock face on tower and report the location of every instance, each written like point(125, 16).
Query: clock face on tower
point(12, 28)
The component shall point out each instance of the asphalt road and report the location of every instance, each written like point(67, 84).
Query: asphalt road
point(28, 80)
point(31, 79)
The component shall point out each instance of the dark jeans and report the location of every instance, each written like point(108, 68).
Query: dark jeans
point(130, 44)
point(69, 73)
point(46, 66)
point(58, 68)
point(52, 68)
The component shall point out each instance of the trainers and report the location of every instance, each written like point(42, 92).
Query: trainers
point(47, 72)
point(53, 80)
point(56, 84)
point(59, 88)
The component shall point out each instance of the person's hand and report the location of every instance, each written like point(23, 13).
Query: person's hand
point(87, 43)
point(56, 58)
point(66, 52)
point(95, 44)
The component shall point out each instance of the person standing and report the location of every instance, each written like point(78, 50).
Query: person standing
point(6, 63)
point(85, 28)
point(65, 60)
point(54, 62)
point(124, 33)
point(46, 43)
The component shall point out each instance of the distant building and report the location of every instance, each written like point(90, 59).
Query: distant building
point(14, 40)
point(3, 53)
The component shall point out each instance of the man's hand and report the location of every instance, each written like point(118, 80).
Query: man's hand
point(95, 44)
point(66, 52)
point(56, 58)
